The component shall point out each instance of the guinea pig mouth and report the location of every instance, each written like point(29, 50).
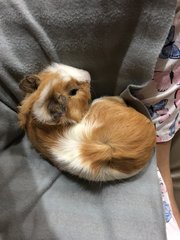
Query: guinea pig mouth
point(56, 116)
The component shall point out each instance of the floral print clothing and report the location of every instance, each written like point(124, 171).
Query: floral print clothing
point(172, 229)
point(162, 94)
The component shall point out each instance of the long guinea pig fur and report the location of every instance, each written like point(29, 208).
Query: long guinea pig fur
point(100, 141)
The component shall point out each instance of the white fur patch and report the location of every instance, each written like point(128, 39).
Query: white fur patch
point(40, 111)
point(67, 152)
point(68, 157)
point(67, 72)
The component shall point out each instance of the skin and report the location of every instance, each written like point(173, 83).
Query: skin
point(163, 162)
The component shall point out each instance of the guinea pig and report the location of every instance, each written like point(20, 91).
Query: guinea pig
point(100, 141)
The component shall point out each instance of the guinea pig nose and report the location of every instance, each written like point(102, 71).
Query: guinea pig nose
point(57, 106)
point(62, 103)
point(62, 99)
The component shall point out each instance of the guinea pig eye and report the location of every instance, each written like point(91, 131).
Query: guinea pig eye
point(73, 91)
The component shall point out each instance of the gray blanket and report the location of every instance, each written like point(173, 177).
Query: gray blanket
point(118, 43)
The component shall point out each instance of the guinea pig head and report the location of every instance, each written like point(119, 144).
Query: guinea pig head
point(60, 94)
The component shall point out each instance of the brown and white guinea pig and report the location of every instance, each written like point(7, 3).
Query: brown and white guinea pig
point(102, 141)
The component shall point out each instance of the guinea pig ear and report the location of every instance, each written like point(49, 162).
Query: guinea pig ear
point(29, 84)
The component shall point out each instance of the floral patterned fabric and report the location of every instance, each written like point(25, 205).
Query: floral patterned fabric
point(172, 230)
point(162, 94)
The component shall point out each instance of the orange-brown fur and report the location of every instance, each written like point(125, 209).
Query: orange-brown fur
point(120, 139)
point(126, 145)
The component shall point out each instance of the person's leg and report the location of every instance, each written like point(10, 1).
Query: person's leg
point(163, 162)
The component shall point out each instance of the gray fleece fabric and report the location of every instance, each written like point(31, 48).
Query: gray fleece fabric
point(118, 43)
